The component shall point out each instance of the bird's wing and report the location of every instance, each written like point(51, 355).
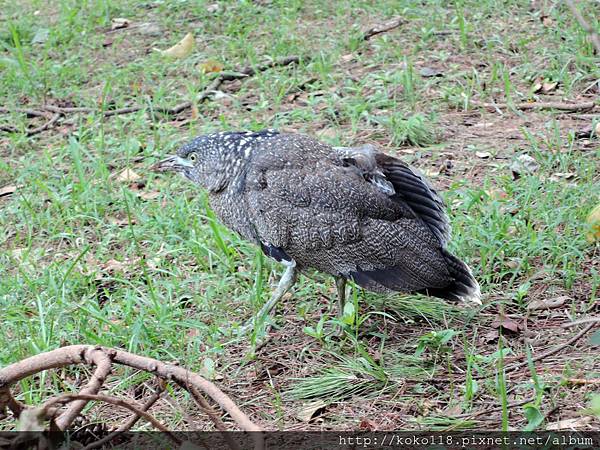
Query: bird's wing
point(413, 190)
point(312, 201)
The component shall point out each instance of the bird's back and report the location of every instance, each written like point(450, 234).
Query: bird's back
point(352, 212)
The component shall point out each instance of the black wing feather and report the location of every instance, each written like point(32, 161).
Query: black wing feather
point(413, 190)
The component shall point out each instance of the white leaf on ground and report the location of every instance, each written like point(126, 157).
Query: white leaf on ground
point(182, 49)
point(548, 303)
point(308, 410)
point(8, 190)
point(127, 176)
point(119, 22)
point(569, 424)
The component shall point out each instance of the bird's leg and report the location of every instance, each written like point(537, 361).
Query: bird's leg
point(285, 283)
point(340, 283)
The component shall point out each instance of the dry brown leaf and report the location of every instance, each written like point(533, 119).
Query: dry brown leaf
point(548, 303)
point(309, 410)
point(112, 265)
point(558, 176)
point(119, 22)
point(210, 66)
point(547, 21)
point(569, 424)
point(367, 424)
point(549, 86)
point(8, 190)
point(122, 221)
point(506, 323)
point(180, 50)
point(127, 176)
point(194, 112)
point(148, 195)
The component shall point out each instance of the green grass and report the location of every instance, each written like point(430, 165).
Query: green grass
point(85, 258)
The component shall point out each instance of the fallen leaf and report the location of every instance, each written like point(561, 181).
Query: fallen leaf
point(546, 21)
point(588, 131)
point(558, 176)
point(112, 265)
point(549, 86)
point(569, 424)
point(118, 23)
point(505, 323)
point(127, 176)
point(213, 8)
point(368, 425)
point(41, 36)
point(309, 410)
point(524, 164)
point(150, 29)
point(8, 190)
point(210, 66)
point(483, 155)
point(348, 57)
point(122, 222)
point(512, 263)
point(148, 195)
point(427, 72)
point(593, 220)
point(180, 50)
point(548, 303)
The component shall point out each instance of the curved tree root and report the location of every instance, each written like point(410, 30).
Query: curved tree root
point(104, 359)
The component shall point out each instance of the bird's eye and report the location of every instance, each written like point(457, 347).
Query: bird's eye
point(193, 157)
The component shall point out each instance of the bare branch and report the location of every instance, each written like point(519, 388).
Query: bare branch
point(131, 421)
point(81, 354)
point(383, 28)
point(582, 106)
point(138, 410)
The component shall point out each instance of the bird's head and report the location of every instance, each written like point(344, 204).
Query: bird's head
point(213, 160)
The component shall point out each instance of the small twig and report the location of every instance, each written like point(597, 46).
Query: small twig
point(383, 28)
point(44, 127)
point(495, 409)
point(585, 25)
point(580, 321)
point(583, 106)
point(131, 421)
point(553, 351)
point(138, 410)
point(29, 112)
point(583, 380)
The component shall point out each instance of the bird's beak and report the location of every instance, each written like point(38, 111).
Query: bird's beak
point(172, 164)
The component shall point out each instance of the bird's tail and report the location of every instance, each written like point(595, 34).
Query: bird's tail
point(464, 287)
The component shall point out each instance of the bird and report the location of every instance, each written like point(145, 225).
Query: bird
point(356, 213)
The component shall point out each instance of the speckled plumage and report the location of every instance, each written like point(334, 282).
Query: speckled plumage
point(355, 213)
